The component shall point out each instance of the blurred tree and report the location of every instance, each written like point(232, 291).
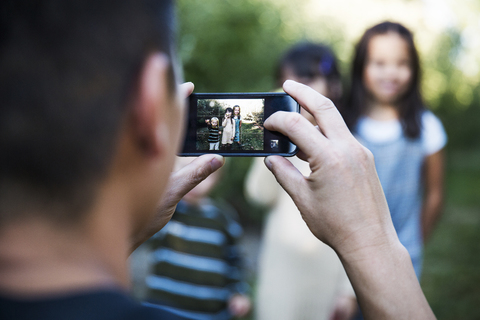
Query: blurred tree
point(452, 96)
point(229, 46)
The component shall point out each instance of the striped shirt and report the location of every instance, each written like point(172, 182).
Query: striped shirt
point(214, 135)
point(196, 262)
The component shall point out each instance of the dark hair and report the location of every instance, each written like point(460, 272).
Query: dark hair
point(310, 60)
point(231, 111)
point(410, 104)
point(67, 69)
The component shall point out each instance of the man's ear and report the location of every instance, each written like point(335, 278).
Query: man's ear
point(149, 107)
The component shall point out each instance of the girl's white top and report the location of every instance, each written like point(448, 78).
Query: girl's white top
point(433, 136)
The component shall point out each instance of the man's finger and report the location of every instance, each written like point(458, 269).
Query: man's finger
point(300, 131)
point(185, 179)
point(180, 183)
point(186, 89)
point(323, 110)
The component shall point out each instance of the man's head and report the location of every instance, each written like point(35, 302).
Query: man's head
point(74, 75)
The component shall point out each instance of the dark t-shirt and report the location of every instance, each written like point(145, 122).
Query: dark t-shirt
point(91, 305)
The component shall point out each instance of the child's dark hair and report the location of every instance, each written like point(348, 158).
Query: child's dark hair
point(310, 60)
point(239, 111)
point(409, 106)
point(231, 112)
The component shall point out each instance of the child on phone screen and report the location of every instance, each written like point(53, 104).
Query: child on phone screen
point(386, 113)
point(228, 129)
point(299, 277)
point(238, 125)
point(214, 133)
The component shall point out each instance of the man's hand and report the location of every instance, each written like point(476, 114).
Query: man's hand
point(341, 201)
point(180, 183)
point(343, 204)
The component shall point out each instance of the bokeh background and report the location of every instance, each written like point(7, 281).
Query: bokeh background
point(233, 46)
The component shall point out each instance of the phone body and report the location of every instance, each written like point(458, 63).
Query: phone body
point(231, 124)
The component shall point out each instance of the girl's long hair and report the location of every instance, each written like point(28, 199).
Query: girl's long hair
point(239, 111)
point(409, 106)
point(231, 116)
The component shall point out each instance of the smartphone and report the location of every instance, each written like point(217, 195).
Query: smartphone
point(231, 124)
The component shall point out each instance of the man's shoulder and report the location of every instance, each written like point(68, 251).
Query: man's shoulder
point(92, 305)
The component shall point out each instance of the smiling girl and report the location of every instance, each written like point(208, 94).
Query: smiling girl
point(386, 113)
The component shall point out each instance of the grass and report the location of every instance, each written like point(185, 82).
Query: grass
point(451, 276)
point(251, 137)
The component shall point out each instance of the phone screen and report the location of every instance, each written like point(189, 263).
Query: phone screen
point(231, 124)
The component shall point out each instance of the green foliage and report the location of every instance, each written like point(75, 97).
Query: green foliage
point(450, 277)
point(251, 138)
point(229, 46)
point(451, 96)
point(209, 108)
point(462, 123)
point(233, 46)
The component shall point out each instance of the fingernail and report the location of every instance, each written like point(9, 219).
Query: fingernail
point(217, 162)
point(287, 83)
point(268, 163)
point(266, 122)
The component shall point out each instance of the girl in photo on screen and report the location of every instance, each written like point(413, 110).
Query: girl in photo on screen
point(238, 125)
point(228, 129)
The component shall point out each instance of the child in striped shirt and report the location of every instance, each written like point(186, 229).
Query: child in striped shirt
point(197, 269)
point(214, 133)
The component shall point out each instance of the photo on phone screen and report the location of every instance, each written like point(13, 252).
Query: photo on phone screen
point(232, 124)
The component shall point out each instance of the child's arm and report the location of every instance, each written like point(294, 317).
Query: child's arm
point(433, 199)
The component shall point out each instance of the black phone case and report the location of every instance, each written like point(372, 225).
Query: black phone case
point(273, 102)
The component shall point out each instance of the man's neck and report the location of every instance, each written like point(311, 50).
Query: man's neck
point(39, 258)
